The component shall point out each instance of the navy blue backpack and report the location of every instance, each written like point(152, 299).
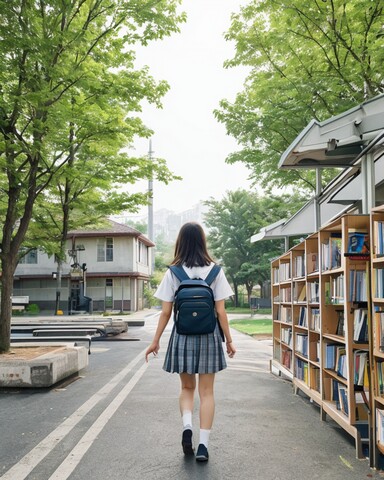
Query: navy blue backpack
point(194, 305)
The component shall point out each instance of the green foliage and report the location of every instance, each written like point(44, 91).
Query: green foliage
point(32, 309)
point(70, 99)
point(306, 60)
point(232, 222)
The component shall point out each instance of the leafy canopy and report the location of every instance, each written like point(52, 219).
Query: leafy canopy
point(306, 60)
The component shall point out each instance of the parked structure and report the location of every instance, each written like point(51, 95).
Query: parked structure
point(106, 270)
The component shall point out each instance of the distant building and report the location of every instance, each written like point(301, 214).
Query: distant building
point(167, 223)
point(107, 268)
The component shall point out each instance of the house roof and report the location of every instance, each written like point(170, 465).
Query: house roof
point(112, 229)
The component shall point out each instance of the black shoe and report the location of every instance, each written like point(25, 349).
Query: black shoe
point(202, 453)
point(186, 442)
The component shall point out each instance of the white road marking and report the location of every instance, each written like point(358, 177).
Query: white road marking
point(25, 466)
point(78, 452)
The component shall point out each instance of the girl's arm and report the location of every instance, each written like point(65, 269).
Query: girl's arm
point(223, 320)
point(166, 311)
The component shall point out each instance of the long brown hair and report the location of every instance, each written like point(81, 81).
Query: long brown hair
point(191, 246)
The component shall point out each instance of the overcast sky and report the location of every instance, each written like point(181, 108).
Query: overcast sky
point(186, 134)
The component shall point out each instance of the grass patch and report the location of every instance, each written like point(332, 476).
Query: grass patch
point(253, 327)
point(263, 311)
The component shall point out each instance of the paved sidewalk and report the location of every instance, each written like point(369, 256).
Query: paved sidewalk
point(118, 422)
point(261, 429)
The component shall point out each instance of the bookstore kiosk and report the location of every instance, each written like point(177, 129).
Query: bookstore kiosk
point(328, 291)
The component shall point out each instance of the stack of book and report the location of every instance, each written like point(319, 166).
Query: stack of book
point(358, 286)
point(358, 242)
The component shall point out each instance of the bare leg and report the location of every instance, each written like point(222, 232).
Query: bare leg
point(207, 400)
point(188, 386)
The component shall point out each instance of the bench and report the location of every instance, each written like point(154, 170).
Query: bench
point(64, 332)
point(76, 341)
point(32, 327)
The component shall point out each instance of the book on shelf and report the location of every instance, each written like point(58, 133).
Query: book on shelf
point(286, 358)
point(343, 398)
point(341, 365)
point(303, 322)
point(302, 370)
point(313, 288)
point(360, 325)
point(330, 356)
point(340, 330)
point(286, 336)
point(379, 238)
point(358, 286)
point(336, 246)
point(380, 318)
point(380, 425)
point(358, 242)
point(379, 282)
point(299, 266)
point(302, 344)
point(380, 377)
point(315, 319)
point(284, 271)
point(275, 275)
point(360, 360)
point(325, 255)
point(286, 294)
point(331, 252)
point(285, 314)
point(337, 293)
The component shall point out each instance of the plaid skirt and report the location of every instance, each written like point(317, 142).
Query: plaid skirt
point(195, 353)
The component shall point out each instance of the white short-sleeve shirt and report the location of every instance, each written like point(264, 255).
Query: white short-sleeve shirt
point(169, 284)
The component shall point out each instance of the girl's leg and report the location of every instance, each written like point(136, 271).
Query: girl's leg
point(187, 392)
point(207, 400)
point(207, 412)
point(188, 386)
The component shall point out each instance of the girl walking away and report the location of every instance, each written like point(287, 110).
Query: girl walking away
point(194, 355)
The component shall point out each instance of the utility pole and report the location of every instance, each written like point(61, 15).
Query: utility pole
point(150, 208)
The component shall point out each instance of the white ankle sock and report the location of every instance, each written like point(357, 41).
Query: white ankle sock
point(204, 436)
point(187, 420)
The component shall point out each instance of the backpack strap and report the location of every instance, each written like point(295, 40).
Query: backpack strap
point(212, 274)
point(179, 272)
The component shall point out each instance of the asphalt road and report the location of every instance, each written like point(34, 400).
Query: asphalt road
point(119, 420)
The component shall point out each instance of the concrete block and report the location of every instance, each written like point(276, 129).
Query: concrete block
point(44, 370)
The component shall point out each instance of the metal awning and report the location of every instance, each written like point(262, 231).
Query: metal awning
point(337, 141)
point(302, 222)
point(352, 191)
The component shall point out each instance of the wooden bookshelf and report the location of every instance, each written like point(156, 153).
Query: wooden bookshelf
point(327, 299)
point(377, 306)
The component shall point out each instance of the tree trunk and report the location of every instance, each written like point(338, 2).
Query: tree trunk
point(6, 305)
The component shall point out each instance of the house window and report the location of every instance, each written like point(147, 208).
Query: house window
point(30, 257)
point(105, 250)
point(142, 253)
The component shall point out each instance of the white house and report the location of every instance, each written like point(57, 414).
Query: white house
point(106, 269)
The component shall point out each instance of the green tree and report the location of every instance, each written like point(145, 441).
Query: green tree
point(231, 223)
point(69, 97)
point(306, 60)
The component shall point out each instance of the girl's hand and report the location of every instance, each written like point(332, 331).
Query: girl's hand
point(153, 348)
point(231, 350)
